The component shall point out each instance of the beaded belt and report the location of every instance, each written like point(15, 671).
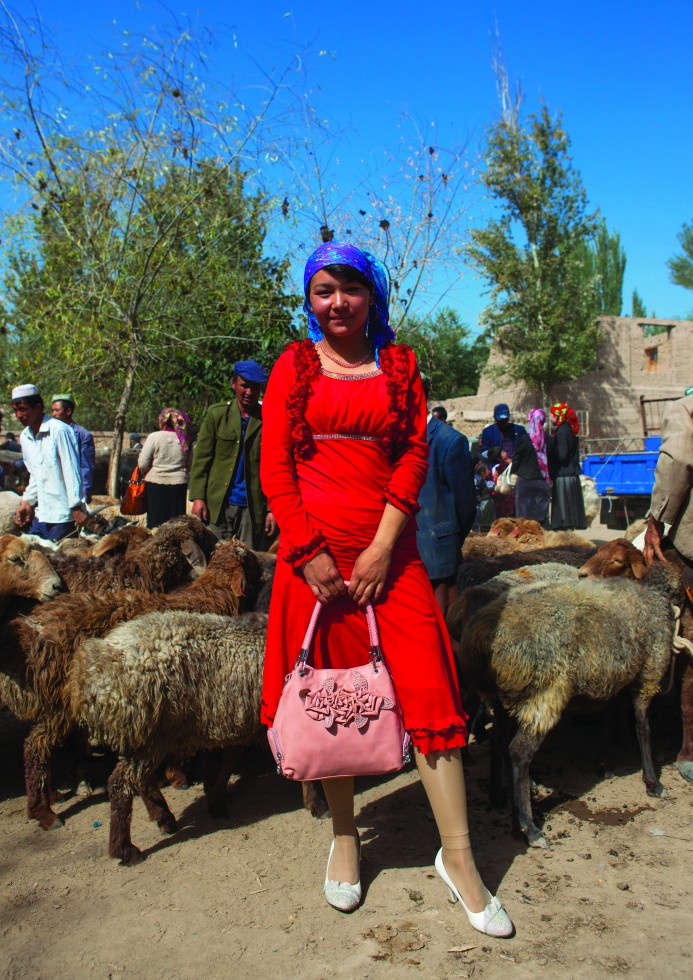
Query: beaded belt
point(346, 435)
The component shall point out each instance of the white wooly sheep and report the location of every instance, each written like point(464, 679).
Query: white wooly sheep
point(9, 502)
point(168, 683)
point(590, 498)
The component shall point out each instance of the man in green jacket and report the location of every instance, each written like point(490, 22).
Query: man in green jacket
point(225, 475)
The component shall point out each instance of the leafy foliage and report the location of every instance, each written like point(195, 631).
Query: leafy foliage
point(637, 305)
point(217, 299)
point(605, 265)
point(542, 312)
point(681, 266)
point(137, 270)
point(447, 353)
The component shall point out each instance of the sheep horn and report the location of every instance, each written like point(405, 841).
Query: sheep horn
point(194, 554)
point(680, 643)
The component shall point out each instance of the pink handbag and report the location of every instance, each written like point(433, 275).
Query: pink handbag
point(339, 721)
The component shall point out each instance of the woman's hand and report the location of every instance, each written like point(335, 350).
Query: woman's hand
point(322, 575)
point(370, 573)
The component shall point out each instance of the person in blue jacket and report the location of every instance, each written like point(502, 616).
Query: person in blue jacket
point(448, 507)
point(502, 432)
point(62, 407)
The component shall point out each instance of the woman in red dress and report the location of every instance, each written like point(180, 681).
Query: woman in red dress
point(344, 458)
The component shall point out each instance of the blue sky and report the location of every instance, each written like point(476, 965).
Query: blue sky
point(621, 72)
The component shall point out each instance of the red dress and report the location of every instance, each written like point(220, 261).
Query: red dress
point(335, 448)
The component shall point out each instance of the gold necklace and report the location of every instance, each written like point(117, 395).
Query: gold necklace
point(345, 364)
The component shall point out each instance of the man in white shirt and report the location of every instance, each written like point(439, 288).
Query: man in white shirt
point(52, 500)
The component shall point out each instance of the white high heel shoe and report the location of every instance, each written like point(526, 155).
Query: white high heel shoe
point(492, 921)
point(342, 895)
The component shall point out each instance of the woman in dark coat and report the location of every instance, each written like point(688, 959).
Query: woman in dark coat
point(563, 451)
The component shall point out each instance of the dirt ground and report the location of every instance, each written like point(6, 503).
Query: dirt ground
point(242, 896)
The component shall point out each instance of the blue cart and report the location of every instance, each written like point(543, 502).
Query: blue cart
point(624, 481)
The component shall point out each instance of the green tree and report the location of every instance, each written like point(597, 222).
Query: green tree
point(446, 352)
point(605, 265)
point(681, 266)
point(218, 299)
point(637, 306)
point(542, 313)
point(137, 260)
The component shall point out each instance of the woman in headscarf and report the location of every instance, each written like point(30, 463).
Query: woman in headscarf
point(563, 452)
point(532, 495)
point(164, 462)
point(343, 460)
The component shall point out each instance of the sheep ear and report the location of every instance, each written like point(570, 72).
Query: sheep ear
point(638, 566)
point(195, 555)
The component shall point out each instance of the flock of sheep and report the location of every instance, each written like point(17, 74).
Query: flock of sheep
point(153, 645)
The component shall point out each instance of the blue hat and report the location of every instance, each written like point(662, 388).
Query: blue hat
point(501, 411)
point(251, 371)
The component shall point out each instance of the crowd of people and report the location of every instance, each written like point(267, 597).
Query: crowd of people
point(521, 473)
point(510, 472)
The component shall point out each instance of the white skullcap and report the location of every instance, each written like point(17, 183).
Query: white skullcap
point(24, 391)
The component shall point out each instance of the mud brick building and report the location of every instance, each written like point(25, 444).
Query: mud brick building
point(629, 366)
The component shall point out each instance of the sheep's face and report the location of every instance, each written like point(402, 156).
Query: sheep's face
point(615, 559)
point(26, 572)
point(503, 527)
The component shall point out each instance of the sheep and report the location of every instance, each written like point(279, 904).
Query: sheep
point(160, 563)
point(43, 644)
point(145, 691)
point(268, 560)
point(590, 498)
point(123, 540)
point(474, 571)
point(509, 534)
point(9, 502)
point(109, 510)
point(614, 559)
point(621, 558)
point(504, 527)
point(533, 648)
point(24, 573)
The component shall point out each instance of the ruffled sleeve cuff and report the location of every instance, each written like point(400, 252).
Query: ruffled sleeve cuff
point(408, 505)
point(297, 555)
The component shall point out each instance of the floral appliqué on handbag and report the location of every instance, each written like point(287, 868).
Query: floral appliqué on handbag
point(333, 705)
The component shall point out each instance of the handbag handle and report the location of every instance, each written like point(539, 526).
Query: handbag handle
point(372, 635)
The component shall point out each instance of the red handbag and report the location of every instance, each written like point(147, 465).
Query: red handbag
point(339, 721)
point(134, 500)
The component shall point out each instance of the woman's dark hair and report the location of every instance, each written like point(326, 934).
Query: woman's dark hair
point(346, 272)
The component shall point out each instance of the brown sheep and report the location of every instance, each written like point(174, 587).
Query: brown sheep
point(24, 573)
point(44, 646)
point(475, 571)
point(532, 647)
point(158, 565)
point(124, 541)
point(503, 527)
point(615, 559)
point(621, 558)
point(519, 535)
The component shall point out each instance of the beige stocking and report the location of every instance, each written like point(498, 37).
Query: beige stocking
point(442, 776)
point(344, 864)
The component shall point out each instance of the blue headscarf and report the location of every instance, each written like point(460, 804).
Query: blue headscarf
point(378, 329)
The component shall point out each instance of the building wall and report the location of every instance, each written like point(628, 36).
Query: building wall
point(628, 364)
